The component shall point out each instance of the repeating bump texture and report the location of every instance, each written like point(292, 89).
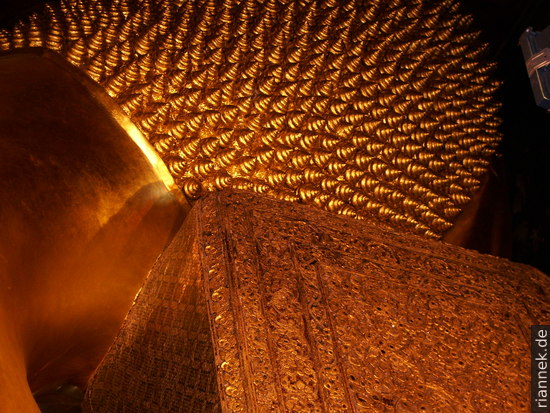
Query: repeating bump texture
point(372, 109)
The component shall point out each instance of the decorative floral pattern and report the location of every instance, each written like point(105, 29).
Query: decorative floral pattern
point(327, 314)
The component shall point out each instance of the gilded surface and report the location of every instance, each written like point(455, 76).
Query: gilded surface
point(365, 108)
point(84, 213)
point(162, 359)
point(314, 313)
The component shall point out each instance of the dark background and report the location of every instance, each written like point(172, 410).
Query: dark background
point(525, 163)
point(523, 170)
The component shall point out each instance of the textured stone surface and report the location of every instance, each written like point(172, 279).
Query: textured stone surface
point(312, 312)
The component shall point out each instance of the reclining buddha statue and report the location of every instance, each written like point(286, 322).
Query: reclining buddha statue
point(117, 115)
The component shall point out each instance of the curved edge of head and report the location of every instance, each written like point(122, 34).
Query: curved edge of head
point(119, 116)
